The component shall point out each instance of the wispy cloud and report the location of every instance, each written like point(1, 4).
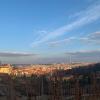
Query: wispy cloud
point(15, 54)
point(60, 42)
point(84, 56)
point(41, 34)
point(84, 53)
point(85, 17)
point(91, 38)
point(94, 37)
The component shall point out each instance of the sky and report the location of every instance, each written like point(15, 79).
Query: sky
point(49, 31)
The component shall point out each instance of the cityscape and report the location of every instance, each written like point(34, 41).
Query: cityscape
point(49, 49)
point(74, 81)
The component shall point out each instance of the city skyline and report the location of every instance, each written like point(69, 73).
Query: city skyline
point(49, 31)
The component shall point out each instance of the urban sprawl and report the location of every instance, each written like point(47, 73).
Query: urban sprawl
point(76, 81)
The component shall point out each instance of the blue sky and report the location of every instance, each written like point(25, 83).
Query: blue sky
point(47, 31)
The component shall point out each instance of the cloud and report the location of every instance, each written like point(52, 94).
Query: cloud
point(84, 53)
point(25, 58)
point(80, 56)
point(40, 34)
point(18, 57)
point(95, 37)
point(15, 54)
point(85, 17)
point(84, 56)
point(92, 38)
point(60, 42)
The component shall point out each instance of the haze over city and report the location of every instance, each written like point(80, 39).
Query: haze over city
point(49, 31)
